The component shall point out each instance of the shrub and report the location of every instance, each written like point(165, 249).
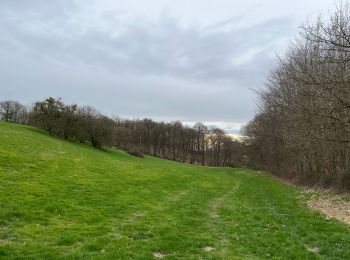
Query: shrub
point(136, 152)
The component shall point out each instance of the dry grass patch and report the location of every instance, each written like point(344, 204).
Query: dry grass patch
point(208, 249)
point(313, 249)
point(158, 255)
point(332, 205)
point(3, 240)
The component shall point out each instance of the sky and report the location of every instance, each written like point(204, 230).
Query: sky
point(187, 60)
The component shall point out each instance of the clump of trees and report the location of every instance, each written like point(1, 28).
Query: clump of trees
point(13, 111)
point(81, 124)
point(174, 141)
point(303, 127)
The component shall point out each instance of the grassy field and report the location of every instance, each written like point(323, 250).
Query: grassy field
point(61, 200)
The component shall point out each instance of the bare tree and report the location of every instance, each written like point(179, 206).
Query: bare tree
point(303, 127)
point(13, 111)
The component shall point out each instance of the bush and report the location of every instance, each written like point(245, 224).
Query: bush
point(136, 152)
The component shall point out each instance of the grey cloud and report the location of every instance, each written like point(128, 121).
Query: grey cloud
point(161, 47)
point(135, 67)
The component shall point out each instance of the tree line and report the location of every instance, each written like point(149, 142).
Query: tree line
point(302, 130)
point(174, 141)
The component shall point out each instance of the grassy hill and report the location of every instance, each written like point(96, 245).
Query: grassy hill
point(65, 200)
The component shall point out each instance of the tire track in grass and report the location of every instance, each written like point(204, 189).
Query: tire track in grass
point(177, 210)
point(216, 224)
point(141, 224)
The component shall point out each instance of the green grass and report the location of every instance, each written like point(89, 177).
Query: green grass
point(61, 200)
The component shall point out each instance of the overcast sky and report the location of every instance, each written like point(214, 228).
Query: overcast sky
point(191, 60)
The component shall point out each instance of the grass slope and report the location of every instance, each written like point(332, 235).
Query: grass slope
point(65, 200)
